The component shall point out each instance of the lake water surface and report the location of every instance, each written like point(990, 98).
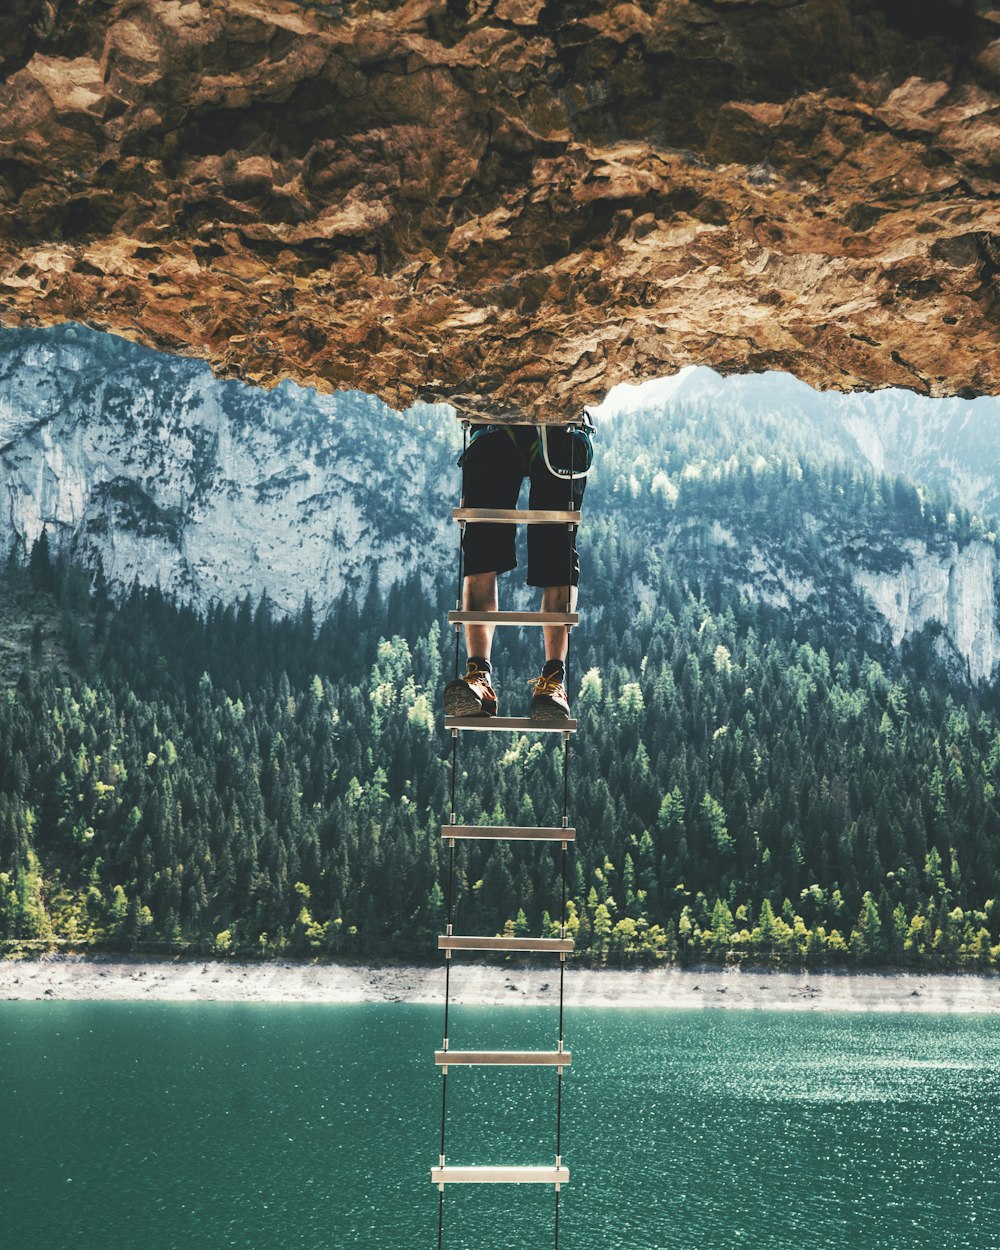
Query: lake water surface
point(197, 1127)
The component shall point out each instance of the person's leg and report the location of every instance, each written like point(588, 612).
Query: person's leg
point(553, 560)
point(554, 566)
point(557, 599)
point(479, 594)
point(492, 472)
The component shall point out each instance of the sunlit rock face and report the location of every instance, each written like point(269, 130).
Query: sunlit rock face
point(149, 469)
point(510, 204)
point(955, 590)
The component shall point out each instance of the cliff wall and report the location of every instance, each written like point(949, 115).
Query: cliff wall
point(510, 204)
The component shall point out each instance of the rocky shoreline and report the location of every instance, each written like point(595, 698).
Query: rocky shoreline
point(132, 979)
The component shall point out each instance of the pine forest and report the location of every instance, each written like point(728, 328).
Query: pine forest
point(755, 778)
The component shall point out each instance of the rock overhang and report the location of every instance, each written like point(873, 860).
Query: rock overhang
point(510, 205)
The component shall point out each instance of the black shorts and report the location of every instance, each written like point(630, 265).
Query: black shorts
point(495, 464)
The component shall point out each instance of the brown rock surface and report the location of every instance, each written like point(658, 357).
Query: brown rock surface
point(510, 204)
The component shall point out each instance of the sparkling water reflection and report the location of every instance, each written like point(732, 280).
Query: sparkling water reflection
point(266, 1127)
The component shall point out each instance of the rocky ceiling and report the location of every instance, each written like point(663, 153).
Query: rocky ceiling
point(510, 204)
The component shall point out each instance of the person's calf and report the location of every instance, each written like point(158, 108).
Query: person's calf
point(556, 637)
point(479, 594)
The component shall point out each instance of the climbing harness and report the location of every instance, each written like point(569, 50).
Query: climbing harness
point(581, 446)
point(558, 1174)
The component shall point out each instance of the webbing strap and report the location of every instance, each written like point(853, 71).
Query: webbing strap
point(540, 446)
point(532, 454)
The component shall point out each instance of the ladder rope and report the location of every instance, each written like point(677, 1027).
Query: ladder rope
point(562, 933)
point(565, 821)
point(569, 556)
point(565, 811)
point(454, 771)
point(447, 1000)
point(448, 931)
point(451, 853)
point(461, 569)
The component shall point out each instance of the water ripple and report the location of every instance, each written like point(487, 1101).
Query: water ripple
point(278, 1128)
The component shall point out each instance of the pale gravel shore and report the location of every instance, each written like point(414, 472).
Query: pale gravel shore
point(117, 979)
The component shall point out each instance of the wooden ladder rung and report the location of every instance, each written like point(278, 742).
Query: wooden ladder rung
point(523, 833)
point(500, 1176)
point(516, 516)
point(513, 618)
point(551, 945)
point(514, 1058)
point(505, 724)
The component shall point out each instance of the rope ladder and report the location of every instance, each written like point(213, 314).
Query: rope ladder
point(556, 1174)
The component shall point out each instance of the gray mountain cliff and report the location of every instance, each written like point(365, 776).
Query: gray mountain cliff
point(147, 466)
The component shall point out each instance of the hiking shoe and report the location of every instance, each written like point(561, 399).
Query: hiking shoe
point(549, 701)
point(471, 695)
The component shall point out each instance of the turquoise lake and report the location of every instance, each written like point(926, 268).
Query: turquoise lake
point(183, 1127)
